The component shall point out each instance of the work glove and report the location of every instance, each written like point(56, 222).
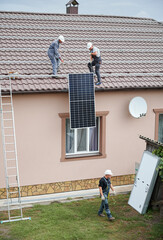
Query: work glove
point(102, 198)
point(114, 192)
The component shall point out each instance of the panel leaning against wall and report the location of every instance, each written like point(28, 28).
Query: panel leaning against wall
point(144, 182)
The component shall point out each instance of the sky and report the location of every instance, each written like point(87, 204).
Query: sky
point(130, 8)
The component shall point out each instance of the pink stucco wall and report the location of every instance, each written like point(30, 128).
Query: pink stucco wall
point(38, 134)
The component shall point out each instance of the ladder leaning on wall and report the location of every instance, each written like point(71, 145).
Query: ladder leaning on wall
point(14, 205)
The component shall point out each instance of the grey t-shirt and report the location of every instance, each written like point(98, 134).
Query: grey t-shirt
point(95, 49)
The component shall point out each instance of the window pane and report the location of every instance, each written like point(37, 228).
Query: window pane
point(81, 139)
point(69, 138)
point(93, 137)
point(160, 129)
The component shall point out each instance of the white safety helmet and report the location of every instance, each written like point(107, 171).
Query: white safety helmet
point(108, 172)
point(89, 45)
point(61, 38)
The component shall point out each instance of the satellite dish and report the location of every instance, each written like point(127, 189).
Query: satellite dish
point(138, 107)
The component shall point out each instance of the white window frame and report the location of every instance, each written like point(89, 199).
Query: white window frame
point(160, 140)
point(87, 152)
point(157, 113)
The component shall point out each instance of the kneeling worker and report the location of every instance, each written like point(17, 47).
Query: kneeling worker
point(54, 55)
point(104, 187)
point(95, 61)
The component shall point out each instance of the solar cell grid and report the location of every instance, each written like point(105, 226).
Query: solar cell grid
point(81, 99)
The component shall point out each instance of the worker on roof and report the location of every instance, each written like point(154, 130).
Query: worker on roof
point(95, 61)
point(54, 55)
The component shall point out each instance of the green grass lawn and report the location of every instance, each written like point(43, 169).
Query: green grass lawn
point(79, 221)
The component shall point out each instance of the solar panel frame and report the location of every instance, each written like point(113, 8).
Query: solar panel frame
point(82, 100)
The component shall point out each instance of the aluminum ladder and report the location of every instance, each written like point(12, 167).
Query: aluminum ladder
point(14, 204)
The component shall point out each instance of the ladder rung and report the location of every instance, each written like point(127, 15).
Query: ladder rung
point(9, 151)
point(7, 119)
point(12, 175)
point(17, 203)
point(6, 96)
point(6, 104)
point(14, 184)
point(11, 167)
point(13, 200)
point(5, 89)
point(9, 143)
point(6, 111)
point(15, 208)
point(14, 192)
point(9, 135)
point(11, 159)
point(13, 204)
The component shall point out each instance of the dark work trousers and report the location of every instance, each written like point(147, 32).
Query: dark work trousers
point(55, 62)
point(104, 203)
point(97, 64)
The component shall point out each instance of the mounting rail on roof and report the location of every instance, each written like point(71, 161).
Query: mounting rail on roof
point(66, 75)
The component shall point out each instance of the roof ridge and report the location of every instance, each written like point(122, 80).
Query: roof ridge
point(74, 15)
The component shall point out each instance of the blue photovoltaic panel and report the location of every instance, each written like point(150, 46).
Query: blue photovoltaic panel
point(82, 100)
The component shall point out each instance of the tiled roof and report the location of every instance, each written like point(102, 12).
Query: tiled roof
point(131, 49)
point(151, 141)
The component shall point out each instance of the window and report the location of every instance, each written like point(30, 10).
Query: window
point(78, 144)
point(159, 125)
point(160, 128)
point(82, 141)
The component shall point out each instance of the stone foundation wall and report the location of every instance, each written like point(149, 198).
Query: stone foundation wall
point(68, 186)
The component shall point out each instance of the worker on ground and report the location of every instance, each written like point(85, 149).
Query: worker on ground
point(104, 188)
point(53, 53)
point(95, 61)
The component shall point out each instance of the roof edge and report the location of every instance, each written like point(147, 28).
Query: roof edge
point(96, 90)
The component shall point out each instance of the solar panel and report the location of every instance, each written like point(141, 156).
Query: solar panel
point(82, 100)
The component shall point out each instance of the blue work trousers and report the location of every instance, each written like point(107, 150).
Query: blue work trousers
point(55, 62)
point(105, 205)
point(97, 69)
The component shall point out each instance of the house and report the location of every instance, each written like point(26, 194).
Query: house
point(52, 157)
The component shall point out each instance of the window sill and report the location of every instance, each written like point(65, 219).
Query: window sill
point(78, 157)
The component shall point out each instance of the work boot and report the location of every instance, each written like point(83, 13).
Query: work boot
point(55, 76)
point(98, 83)
point(101, 215)
point(111, 218)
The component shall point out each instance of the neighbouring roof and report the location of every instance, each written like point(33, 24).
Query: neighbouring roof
point(131, 49)
point(151, 141)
